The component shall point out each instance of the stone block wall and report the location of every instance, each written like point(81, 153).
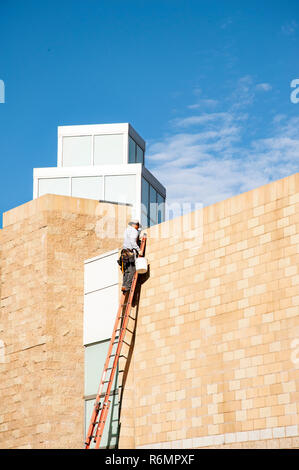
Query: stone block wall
point(43, 247)
point(216, 355)
point(215, 360)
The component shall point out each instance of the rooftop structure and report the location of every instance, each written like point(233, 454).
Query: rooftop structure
point(105, 162)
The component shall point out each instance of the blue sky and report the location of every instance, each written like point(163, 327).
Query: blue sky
point(207, 84)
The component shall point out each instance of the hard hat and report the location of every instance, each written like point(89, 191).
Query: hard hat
point(134, 222)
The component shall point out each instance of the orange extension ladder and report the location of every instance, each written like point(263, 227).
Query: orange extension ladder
point(102, 402)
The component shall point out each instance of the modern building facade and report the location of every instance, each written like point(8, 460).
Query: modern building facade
point(104, 162)
point(215, 357)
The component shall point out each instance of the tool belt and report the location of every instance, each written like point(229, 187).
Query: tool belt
point(126, 258)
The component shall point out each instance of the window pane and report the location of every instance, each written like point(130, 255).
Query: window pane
point(145, 196)
point(120, 188)
point(144, 220)
point(153, 205)
point(95, 355)
point(76, 151)
point(161, 208)
point(89, 187)
point(111, 429)
point(132, 150)
point(139, 155)
point(53, 186)
point(108, 149)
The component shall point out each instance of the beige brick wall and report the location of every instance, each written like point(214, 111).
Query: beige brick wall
point(215, 361)
point(43, 246)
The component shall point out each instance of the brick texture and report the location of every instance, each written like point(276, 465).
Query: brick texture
point(215, 352)
point(43, 247)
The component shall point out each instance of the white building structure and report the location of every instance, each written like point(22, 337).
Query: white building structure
point(104, 162)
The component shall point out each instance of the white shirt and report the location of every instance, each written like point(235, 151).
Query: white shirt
point(131, 236)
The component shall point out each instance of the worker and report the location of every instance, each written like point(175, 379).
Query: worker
point(130, 250)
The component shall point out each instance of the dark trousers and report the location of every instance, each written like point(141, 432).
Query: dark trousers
point(129, 271)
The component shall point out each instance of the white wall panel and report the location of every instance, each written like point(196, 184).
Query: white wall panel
point(108, 149)
point(89, 187)
point(101, 272)
point(76, 151)
point(100, 308)
point(59, 186)
point(101, 296)
point(120, 188)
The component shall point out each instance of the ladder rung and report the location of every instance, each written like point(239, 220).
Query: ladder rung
point(127, 329)
point(121, 355)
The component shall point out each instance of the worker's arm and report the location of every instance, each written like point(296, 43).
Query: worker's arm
point(133, 235)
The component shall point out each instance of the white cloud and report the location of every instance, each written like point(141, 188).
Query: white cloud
point(243, 95)
point(205, 159)
point(204, 103)
point(212, 118)
point(263, 87)
point(226, 23)
point(289, 28)
point(212, 163)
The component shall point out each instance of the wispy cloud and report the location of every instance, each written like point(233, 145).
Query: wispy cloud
point(205, 118)
point(243, 94)
point(204, 103)
point(289, 28)
point(263, 87)
point(226, 22)
point(205, 159)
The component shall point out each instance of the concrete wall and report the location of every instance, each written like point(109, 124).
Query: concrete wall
point(43, 247)
point(215, 360)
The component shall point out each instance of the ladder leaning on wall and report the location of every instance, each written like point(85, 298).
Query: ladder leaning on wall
point(102, 402)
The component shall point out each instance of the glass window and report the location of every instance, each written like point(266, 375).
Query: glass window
point(139, 155)
point(89, 187)
point(108, 149)
point(111, 429)
point(145, 202)
point(153, 205)
point(160, 208)
point(95, 356)
point(132, 150)
point(76, 151)
point(145, 195)
point(120, 188)
point(144, 219)
point(54, 186)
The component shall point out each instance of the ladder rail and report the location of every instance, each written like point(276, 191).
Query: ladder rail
point(121, 320)
point(103, 377)
point(102, 421)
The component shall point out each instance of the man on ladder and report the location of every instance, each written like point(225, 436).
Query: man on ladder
point(131, 248)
